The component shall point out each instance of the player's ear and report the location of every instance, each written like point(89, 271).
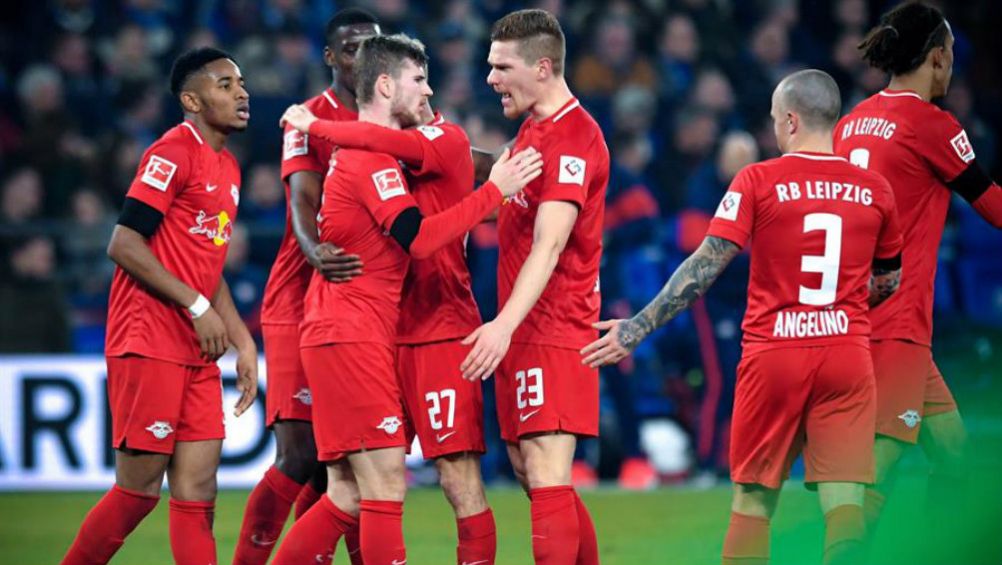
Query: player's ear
point(385, 86)
point(544, 68)
point(191, 102)
point(329, 56)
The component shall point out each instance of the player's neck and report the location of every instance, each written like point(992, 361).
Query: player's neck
point(215, 138)
point(551, 99)
point(812, 143)
point(915, 82)
point(378, 116)
point(345, 96)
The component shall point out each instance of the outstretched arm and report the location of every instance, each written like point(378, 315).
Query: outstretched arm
point(689, 282)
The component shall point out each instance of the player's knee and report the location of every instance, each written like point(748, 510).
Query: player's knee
point(754, 500)
point(460, 481)
point(345, 496)
point(296, 463)
point(192, 487)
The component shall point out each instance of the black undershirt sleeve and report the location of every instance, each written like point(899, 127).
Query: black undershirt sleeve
point(888, 264)
point(406, 227)
point(140, 216)
point(971, 183)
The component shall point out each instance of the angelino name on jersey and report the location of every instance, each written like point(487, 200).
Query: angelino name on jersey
point(816, 323)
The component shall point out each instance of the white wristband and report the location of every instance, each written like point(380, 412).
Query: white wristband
point(199, 307)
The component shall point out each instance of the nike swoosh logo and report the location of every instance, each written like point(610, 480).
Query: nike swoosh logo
point(210, 187)
point(264, 543)
point(524, 417)
point(395, 562)
point(475, 562)
point(443, 437)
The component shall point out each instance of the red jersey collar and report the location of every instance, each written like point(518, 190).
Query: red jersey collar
point(332, 98)
point(194, 131)
point(437, 120)
point(814, 156)
point(563, 111)
point(899, 93)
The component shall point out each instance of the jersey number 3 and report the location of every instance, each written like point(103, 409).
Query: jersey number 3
point(826, 264)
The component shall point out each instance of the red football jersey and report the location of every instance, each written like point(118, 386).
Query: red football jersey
point(918, 148)
point(290, 273)
point(438, 301)
point(197, 190)
point(575, 169)
point(815, 223)
point(364, 193)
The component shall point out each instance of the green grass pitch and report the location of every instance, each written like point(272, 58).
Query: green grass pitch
point(667, 526)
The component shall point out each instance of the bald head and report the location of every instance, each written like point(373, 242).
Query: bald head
point(813, 96)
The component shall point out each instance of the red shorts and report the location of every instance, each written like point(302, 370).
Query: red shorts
point(819, 400)
point(288, 395)
point(357, 404)
point(155, 403)
point(444, 409)
point(545, 389)
point(909, 388)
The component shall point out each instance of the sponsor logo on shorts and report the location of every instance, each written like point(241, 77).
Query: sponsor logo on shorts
point(442, 437)
point(526, 416)
point(911, 418)
point(305, 396)
point(160, 429)
point(390, 425)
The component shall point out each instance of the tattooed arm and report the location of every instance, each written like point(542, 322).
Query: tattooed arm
point(689, 282)
point(883, 283)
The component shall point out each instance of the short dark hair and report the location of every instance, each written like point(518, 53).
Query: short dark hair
point(191, 62)
point(814, 96)
point(901, 41)
point(538, 35)
point(384, 55)
point(347, 17)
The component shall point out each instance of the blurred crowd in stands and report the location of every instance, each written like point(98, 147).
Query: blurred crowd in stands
point(681, 88)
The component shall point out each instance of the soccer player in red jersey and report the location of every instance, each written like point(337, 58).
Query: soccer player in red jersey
point(550, 239)
point(436, 312)
point(289, 400)
point(926, 155)
point(825, 244)
point(164, 333)
point(349, 329)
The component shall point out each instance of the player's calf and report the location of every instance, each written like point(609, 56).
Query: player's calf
point(459, 476)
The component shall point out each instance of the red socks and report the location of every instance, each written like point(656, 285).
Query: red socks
point(477, 539)
point(354, 546)
point(845, 530)
point(107, 524)
point(191, 539)
point(747, 540)
point(555, 529)
point(313, 537)
point(588, 548)
point(308, 496)
point(381, 525)
point(267, 510)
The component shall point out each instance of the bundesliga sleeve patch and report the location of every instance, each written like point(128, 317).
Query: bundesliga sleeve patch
point(295, 144)
point(431, 132)
point(158, 173)
point(729, 205)
point(963, 147)
point(388, 184)
point(572, 170)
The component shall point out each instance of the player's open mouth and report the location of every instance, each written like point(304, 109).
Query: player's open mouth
point(505, 98)
point(243, 112)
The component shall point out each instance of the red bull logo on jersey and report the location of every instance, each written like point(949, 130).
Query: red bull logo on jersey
point(216, 228)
